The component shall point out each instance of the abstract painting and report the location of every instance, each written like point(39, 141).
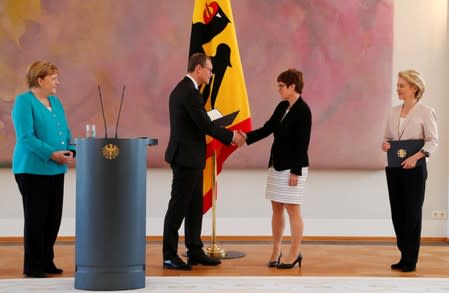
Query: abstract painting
point(343, 48)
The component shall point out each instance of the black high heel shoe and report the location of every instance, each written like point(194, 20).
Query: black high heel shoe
point(274, 263)
point(290, 265)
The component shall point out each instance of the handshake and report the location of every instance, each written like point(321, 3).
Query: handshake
point(239, 138)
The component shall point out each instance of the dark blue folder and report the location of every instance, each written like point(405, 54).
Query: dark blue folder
point(402, 149)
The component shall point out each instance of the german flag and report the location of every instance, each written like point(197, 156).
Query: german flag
point(213, 33)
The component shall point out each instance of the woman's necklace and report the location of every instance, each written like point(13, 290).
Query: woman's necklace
point(406, 108)
point(44, 101)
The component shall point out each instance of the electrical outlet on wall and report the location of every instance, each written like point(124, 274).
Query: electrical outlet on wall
point(439, 215)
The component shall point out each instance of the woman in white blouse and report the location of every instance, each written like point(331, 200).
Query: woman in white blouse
point(406, 184)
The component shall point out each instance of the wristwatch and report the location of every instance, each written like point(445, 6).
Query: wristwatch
point(425, 153)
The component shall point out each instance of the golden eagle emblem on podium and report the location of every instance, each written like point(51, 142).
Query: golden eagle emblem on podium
point(110, 151)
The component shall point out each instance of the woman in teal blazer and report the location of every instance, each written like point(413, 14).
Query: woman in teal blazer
point(40, 159)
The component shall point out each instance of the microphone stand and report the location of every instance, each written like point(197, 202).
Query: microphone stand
point(119, 111)
point(102, 112)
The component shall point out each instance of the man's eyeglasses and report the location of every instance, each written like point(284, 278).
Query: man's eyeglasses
point(210, 69)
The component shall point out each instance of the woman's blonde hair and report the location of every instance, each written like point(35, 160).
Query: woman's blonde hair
point(39, 69)
point(414, 78)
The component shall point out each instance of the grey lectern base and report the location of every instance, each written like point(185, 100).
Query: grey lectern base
point(111, 213)
point(110, 280)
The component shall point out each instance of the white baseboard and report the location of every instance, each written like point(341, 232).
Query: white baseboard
point(260, 227)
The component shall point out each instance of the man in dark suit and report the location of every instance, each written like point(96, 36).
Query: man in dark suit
point(186, 154)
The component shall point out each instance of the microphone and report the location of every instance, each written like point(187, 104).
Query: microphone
point(102, 112)
point(120, 110)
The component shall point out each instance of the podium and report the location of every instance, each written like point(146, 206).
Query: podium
point(111, 213)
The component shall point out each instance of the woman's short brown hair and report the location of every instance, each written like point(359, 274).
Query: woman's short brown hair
point(39, 69)
point(292, 76)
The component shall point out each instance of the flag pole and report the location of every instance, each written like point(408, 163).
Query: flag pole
point(213, 250)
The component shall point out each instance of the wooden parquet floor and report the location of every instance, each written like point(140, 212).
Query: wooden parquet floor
point(320, 259)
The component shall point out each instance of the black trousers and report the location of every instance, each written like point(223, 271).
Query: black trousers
point(186, 203)
point(42, 198)
point(406, 188)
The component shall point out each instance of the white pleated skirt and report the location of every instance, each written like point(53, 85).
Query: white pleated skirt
point(278, 190)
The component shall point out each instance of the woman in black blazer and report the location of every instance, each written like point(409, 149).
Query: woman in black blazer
point(291, 125)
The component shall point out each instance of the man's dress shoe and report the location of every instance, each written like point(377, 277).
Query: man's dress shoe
point(176, 264)
point(203, 259)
